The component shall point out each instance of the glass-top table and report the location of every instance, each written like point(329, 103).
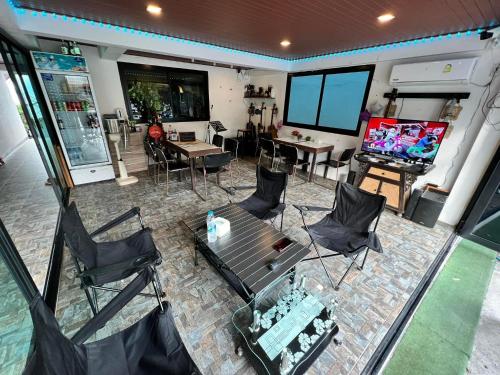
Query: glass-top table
point(288, 326)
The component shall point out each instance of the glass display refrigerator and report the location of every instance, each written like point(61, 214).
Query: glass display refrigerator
point(68, 90)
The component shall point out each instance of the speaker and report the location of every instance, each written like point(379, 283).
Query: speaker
point(412, 203)
point(428, 208)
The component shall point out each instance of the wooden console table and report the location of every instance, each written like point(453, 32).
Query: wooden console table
point(388, 178)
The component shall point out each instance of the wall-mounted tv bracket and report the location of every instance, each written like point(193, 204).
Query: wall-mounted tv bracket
point(394, 94)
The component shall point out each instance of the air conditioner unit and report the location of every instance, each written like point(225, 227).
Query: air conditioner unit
point(435, 72)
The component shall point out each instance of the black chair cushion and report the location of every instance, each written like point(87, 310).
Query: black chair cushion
point(150, 346)
point(345, 240)
point(333, 163)
point(260, 208)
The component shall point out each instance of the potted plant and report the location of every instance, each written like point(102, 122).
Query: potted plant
point(297, 134)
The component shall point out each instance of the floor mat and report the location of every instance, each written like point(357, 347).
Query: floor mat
point(440, 337)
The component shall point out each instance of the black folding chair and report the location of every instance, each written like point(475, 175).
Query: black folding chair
point(344, 159)
point(346, 229)
point(290, 157)
point(268, 149)
point(216, 164)
point(169, 164)
point(150, 346)
point(266, 203)
point(217, 140)
point(106, 262)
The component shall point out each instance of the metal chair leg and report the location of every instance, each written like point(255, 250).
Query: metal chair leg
point(364, 260)
point(281, 226)
point(167, 180)
point(324, 267)
point(91, 301)
point(205, 181)
point(157, 277)
point(94, 293)
point(353, 262)
point(260, 157)
point(158, 298)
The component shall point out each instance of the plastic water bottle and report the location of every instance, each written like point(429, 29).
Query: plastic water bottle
point(211, 233)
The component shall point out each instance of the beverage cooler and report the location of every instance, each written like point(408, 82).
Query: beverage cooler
point(68, 90)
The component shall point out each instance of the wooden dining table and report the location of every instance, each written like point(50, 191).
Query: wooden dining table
point(308, 147)
point(192, 150)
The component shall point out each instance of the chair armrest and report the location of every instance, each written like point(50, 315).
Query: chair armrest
point(91, 276)
point(120, 219)
point(312, 208)
point(115, 305)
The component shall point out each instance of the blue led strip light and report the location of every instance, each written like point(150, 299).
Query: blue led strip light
point(358, 51)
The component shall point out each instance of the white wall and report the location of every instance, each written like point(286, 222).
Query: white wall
point(458, 140)
point(12, 132)
point(225, 89)
point(478, 160)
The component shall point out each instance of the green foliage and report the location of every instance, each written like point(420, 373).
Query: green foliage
point(146, 96)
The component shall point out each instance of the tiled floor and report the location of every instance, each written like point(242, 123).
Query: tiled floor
point(203, 303)
point(29, 209)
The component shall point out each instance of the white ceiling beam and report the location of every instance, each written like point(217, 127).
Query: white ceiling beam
point(110, 53)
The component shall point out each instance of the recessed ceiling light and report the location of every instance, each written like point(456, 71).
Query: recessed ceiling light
point(386, 17)
point(285, 43)
point(154, 9)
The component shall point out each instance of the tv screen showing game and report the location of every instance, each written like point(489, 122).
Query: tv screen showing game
point(405, 139)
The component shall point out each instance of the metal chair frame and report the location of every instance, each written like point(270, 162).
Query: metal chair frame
point(164, 162)
point(93, 301)
point(345, 157)
point(352, 255)
point(268, 150)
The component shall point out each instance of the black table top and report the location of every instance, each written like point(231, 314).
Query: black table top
point(248, 249)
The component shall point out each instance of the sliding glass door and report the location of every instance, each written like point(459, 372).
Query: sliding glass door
point(24, 79)
point(16, 326)
point(481, 220)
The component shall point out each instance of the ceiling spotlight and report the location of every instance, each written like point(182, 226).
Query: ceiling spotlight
point(386, 17)
point(285, 43)
point(154, 9)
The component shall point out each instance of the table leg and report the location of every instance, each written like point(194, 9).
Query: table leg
point(195, 251)
point(193, 173)
point(313, 166)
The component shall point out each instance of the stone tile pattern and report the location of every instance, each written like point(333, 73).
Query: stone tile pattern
point(29, 209)
point(202, 301)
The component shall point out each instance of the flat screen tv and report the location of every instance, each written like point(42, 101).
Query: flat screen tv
point(413, 140)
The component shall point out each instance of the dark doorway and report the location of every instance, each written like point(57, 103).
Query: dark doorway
point(481, 220)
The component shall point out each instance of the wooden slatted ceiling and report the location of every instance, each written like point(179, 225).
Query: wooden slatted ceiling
point(313, 26)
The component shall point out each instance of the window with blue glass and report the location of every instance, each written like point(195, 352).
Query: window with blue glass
point(328, 100)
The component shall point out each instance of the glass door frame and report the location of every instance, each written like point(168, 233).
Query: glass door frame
point(485, 191)
point(51, 164)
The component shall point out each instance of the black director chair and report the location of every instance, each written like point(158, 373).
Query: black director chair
point(266, 203)
point(150, 346)
point(106, 262)
point(345, 230)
